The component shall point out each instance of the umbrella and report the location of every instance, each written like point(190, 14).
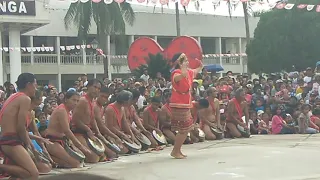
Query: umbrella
point(214, 67)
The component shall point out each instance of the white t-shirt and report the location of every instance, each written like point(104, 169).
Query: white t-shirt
point(307, 79)
point(140, 101)
point(85, 83)
point(145, 77)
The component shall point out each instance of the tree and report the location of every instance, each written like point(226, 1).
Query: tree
point(284, 38)
point(109, 18)
point(247, 10)
point(178, 31)
point(155, 63)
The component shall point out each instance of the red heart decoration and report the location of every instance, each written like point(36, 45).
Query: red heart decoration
point(142, 47)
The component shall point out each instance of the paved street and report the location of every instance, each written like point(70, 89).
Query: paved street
point(271, 157)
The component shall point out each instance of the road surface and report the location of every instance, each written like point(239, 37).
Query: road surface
point(267, 157)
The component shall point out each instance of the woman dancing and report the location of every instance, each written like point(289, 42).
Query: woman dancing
point(180, 101)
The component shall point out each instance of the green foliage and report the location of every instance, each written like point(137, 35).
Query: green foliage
point(109, 18)
point(139, 71)
point(155, 63)
point(284, 38)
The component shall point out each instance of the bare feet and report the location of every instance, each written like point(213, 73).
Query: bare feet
point(177, 155)
point(183, 154)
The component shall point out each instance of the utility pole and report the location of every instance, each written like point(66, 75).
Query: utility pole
point(177, 19)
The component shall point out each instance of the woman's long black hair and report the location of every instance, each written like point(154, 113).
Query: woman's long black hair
point(174, 60)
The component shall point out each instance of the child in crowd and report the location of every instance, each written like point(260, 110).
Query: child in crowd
point(304, 121)
point(289, 120)
point(259, 105)
point(42, 124)
point(263, 127)
point(253, 122)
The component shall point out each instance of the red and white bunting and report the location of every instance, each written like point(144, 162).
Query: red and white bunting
point(214, 3)
point(99, 51)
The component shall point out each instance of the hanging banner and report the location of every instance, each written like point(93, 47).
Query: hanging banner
point(280, 5)
point(310, 7)
point(288, 6)
point(151, 45)
point(18, 7)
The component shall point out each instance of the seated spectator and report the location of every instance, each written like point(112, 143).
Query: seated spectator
point(279, 126)
point(315, 118)
point(253, 122)
point(259, 105)
point(289, 120)
point(42, 124)
point(264, 124)
point(304, 121)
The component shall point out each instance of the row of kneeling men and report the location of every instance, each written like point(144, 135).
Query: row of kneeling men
point(90, 129)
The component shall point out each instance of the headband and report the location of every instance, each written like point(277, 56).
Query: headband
point(182, 55)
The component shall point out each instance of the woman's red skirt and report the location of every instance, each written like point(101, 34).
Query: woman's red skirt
point(181, 119)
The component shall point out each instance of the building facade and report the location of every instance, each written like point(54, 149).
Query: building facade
point(66, 59)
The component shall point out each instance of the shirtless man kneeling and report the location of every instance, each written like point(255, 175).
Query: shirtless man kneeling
point(84, 125)
point(196, 110)
point(165, 119)
point(59, 133)
point(237, 107)
point(14, 139)
point(210, 117)
point(151, 118)
point(116, 117)
point(43, 166)
point(135, 121)
point(100, 119)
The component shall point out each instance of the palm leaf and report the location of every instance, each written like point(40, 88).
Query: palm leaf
point(155, 63)
point(197, 5)
point(85, 21)
point(117, 19)
point(109, 18)
point(127, 13)
point(185, 9)
point(139, 71)
point(229, 9)
point(69, 18)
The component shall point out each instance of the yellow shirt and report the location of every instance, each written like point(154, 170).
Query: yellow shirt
point(299, 90)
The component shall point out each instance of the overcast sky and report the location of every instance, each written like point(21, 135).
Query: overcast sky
point(206, 7)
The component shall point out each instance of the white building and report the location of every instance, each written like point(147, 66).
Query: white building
point(44, 27)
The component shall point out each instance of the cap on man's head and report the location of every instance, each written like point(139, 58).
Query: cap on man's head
point(71, 89)
point(260, 112)
point(250, 86)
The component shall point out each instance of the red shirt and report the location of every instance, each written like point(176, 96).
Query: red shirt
point(181, 91)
